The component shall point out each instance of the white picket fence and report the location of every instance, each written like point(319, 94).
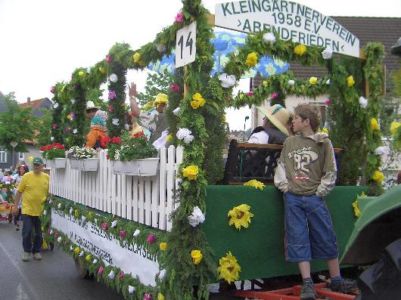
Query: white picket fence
point(147, 200)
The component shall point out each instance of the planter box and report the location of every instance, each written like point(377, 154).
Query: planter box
point(76, 164)
point(139, 167)
point(57, 163)
point(86, 165)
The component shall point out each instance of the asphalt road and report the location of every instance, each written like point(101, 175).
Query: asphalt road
point(55, 277)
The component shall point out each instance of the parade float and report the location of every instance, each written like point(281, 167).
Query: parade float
point(169, 234)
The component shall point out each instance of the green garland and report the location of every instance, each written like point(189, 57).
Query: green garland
point(120, 283)
point(57, 121)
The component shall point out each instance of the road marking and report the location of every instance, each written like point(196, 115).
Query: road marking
point(21, 295)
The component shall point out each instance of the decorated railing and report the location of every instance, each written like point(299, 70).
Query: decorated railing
point(148, 200)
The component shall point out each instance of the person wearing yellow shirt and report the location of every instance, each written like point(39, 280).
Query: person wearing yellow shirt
point(34, 187)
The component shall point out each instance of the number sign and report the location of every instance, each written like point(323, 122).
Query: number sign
point(185, 45)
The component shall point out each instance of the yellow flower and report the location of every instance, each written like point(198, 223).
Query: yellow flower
point(160, 296)
point(374, 125)
point(251, 59)
point(229, 268)
point(378, 176)
point(163, 246)
point(190, 172)
point(350, 81)
point(77, 250)
point(240, 216)
point(313, 80)
point(357, 211)
point(76, 213)
point(265, 83)
point(196, 256)
point(102, 70)
point(169, 138)
point(161, 99)
point(394, 127)
point(255, 184)
point(136, 57)
point(197, 101)
point(324, 130)
point(88, 258)
point(45, 245)
point(148, 106)
point(81, 73)
point(300, 49)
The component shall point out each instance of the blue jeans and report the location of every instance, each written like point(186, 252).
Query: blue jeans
point(31, 225)
point(309, 232)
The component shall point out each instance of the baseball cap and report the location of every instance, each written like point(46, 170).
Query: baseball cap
point(37, 161)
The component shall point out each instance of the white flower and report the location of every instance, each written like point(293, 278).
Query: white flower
point(83, 218)
point(111, 275)
point(73, 101)
point(114, 224)
point(59, 239)
point(82, 253)
point(269, 37)
point(161, 48)
point(113, 77)
point(162, 273)
point(52, 138)
point(94, 261)
point(185, 135)
point(328, 82)
point(363, 102)
point(50, 201)
point(126, 127)
point(131, 289)
point(176, 111)
point(71, 210)
point(136, 233)
point(382, 150)
point(59, 206)
point(51, 231)
point(71, 248)
point(55, 105)
point(327, 53)
point(117, 155)
point(197, 217)
point(75, 131)
point(291, 82)
point(45, 212)
point(227, 81)
point(115, 121)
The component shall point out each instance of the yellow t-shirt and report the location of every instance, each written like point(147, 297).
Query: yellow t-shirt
point(34, 188)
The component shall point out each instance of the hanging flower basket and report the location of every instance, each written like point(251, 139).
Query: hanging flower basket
point(138, 167)
point(57, 163)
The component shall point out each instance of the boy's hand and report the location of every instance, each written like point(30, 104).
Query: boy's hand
point(14, 210)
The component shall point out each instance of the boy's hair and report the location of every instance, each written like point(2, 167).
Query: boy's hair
point(307, 111)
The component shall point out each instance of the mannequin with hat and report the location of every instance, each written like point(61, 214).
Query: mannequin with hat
point(274, 129)
point(98, 129)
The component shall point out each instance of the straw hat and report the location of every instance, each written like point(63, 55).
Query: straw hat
point(278, 116)
point(90, 105)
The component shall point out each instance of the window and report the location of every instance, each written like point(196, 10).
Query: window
point(21, 156)
point(3, 156)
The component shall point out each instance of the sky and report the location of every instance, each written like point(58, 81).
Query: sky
point(43, 41)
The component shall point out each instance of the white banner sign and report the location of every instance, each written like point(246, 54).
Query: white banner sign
point(292, 21)
point(185, 45)
point(132, 259)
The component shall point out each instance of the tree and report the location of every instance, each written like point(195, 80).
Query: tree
point(43, 137)
point(155, 83)
point(16, 125)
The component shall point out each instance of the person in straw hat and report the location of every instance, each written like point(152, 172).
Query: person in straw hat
point(275, 126)
point(98, 129)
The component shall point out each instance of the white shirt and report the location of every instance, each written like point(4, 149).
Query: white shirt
point(260, 137)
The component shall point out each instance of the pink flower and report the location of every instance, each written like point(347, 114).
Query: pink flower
point(327, 102)
point(112, 95)
point(104, 226)
point(147, 296)
point(250, 93)
point(179, 18)
point(274, 95)
point(108, 58)
point(54, 125)
point(151, 239)
point(122, 234)
point(121, 275)
point(53, 89)
point(174, 87)
point(100, 271)
point(111, 108)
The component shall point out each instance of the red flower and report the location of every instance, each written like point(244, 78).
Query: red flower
point(108, 58)
point(122, 234)
point(151, 239)
point(107, 156)
point(121, 275)
point(104, 141)
point(138, 135)
point(104, 226)
point(250, 93)
point(100, 271)
point(174, 87)
point(54, 125)
point(116, 140)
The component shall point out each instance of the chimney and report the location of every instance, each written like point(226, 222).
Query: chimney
point(28, 100)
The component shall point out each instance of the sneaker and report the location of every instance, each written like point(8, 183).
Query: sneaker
point(26, 256)
point(37, 256)
point(346, 286)
point(308, 291)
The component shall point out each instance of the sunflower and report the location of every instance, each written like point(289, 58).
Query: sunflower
point(378, 176)
point(240, 216)
point(229, 268)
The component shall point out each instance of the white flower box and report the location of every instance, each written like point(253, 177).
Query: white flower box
point(90, 164)
point(57, 163)
point(76, 164)
point(139, 167)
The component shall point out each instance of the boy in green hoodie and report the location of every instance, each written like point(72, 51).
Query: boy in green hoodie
point(306, 172)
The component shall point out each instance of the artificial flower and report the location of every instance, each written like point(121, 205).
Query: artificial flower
point(179, 18)
point(76, 213)
point(313, 80)
point(95, 261)
point(160, 296)
point(274, 95)
point(196, 256)
point(147, 296)
point(53, 89)
point(136, 57)
point(55, 105)
point(324, 130)
point(300, 49)
point(81, 73)
point(394, 127)
point(114, 224)
point(100, 271)
point(291, 82)
point(357, 211)
point(251, 59)
point(255, 184)
point(109, 58)
point(77, 250)
point(161, 48)
point(112, 95)
point(121, 275)
point(197, 101)
point(229, 268)
point(240, 216)
point(169, 138)
point(104, 226)
point(113, 78)
point(102, 70)
point(374, 125)
point(174, 87)
point(151, 239)
point(350, 81)
point(327, 53)
point(363, 102)
point(191, 172)
point(269, 37)
point(136, 233)
point(378, 176)
point(122, 234)
point(249, 94)
point(227, 81)
point(328, 82)
point(196, 217)
point(111, 275)
point(162, 274)
point(185, 135)
point(115, 121)
point(161, 99)
point(59, 239)
point(382, 150)
point(81, 253)
point(131, 289)
point(163, 246)
point(88, 258)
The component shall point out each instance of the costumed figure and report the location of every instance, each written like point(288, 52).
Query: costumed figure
point(98, 130)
